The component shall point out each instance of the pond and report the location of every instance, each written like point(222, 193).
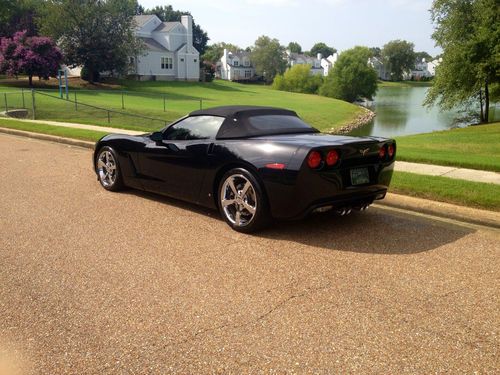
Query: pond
point(400, 112)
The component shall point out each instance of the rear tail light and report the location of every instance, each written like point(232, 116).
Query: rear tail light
point(382, 152)
point(314, 159)
point(390, 150)
point(332, 158)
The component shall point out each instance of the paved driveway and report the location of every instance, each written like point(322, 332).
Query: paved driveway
point(93, 282)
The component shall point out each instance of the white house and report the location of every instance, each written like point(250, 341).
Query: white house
point(235, 66)
point(169, 52)
point(298, 58)
point(432, 65)
point(328, 63)
point(383, 72)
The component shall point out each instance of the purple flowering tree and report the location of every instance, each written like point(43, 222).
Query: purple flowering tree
point(33, 56)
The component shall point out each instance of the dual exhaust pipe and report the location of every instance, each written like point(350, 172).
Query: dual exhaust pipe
point(347, 210)
point(344, 211)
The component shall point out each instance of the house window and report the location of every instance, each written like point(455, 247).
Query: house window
point(247, 63)
point(195, 60)
point(166, 63)
point(236, 63)
point(182, 59)
point(248, 73)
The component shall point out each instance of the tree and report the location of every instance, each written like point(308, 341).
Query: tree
point(298, 78)
point(419, 56)
point(294, 47)
point(376, 52)
point(96, 34)
point(33, 56)
point(214, 52)
point(268, 57)
point(351, 77)
point(399, 57)
point(469, 34)
point(323, 49)
point(168, 14)
point(18, 15)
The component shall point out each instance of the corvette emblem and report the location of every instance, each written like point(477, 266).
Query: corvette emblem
point(364, 151)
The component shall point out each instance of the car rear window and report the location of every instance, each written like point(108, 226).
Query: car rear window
point(278, 124)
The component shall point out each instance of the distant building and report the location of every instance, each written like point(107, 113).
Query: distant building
point(424, 69)
point(383, 72)
point(235, 66)
point(298, 59)
point(432, 65)
point(169, 53)
point(328, 63)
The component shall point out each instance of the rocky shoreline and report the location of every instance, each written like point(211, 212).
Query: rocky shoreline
point(365, 117)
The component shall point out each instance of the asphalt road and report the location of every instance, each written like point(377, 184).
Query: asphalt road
point(93, 282)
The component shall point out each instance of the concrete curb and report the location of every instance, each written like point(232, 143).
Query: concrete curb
point(444, 210)
point(423, 206)
point(48, 137)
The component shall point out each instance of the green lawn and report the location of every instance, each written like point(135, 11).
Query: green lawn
point(461, 192)
point(146, 99)
point(86, 135)
point(476, 147)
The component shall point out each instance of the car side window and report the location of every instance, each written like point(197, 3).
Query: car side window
point(194, 127)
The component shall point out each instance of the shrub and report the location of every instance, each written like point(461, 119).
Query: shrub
point(298, 78)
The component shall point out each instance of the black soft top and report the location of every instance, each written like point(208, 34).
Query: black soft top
point(236, 111)
point(237, 125)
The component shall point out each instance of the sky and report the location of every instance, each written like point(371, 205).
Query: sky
point(338, 23)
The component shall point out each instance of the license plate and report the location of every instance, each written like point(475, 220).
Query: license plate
point(360, 176)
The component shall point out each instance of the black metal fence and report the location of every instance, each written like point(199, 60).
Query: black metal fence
point(48, 105)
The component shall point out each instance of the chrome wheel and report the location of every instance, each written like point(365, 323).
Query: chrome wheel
point(106, 168)
point(238, 200)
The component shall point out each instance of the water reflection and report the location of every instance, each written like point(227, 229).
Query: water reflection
point(400, 111)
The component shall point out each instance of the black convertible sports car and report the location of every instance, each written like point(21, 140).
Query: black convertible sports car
point(252, 163)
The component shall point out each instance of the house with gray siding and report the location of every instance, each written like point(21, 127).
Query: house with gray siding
point(169, 53)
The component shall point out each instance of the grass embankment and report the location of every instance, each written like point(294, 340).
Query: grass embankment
point(86, 135)
point(146, 98)
point(405, 84)
point(476, 147)
point(461, 192)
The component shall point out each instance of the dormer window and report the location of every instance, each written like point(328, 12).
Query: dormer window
point(236, 63)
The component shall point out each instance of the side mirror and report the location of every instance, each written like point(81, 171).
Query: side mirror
point(156, 136)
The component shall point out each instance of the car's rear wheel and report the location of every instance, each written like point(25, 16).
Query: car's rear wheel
point(108, 169)
point(242, 202)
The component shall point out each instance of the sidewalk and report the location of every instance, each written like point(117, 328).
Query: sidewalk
point(401, 166)
point(97, 128)
point(451, 172)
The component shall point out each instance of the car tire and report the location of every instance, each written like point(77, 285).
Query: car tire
point(108, 169)
point(242, 202)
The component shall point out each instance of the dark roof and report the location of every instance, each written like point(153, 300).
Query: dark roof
point(141, 20)
point(166, 26)
point(237, 111)
point(153, 45)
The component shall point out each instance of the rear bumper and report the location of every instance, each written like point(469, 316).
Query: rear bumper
point(302, 192)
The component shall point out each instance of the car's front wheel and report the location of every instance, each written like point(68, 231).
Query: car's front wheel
point(242, 202)
point(108, 169)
